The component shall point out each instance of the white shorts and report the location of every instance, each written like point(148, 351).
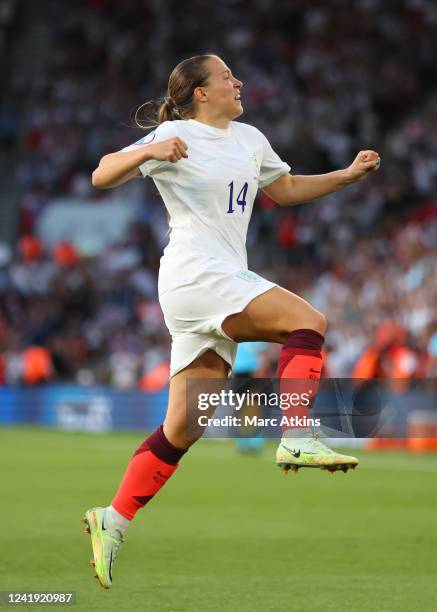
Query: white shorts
point(195, 310)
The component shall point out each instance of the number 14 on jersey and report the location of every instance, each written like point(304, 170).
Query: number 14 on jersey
point(241, 197)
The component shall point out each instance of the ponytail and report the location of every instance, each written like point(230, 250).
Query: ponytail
point(168, 111)
point(178, 103)
point(155, 112)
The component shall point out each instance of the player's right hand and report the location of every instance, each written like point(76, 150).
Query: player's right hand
point(171, 150)
point(364, 163)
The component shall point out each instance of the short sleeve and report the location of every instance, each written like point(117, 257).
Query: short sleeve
point(272, 166)
point(153, 167)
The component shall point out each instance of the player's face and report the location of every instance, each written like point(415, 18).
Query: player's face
point(223, 89)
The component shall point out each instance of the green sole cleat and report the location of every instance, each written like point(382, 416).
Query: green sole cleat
point(105, 545)
point(296, 453)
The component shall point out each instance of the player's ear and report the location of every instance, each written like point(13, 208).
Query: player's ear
point(200, 94)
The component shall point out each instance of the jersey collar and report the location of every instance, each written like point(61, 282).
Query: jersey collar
point(209, 130)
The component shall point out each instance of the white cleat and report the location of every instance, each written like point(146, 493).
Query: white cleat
point(294, 453)
point(105, 542)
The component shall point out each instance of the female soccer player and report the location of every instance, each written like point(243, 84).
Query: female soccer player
point(208, 169)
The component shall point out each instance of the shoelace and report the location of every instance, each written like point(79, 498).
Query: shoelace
point(315, 443)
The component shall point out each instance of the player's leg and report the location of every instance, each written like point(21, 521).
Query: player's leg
point(157, 458)
point(272, 316)
point(208, 366)
point(151, 466)
point(281, 316)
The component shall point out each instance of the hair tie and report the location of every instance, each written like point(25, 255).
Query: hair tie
point(171, 105)
point(170, 102)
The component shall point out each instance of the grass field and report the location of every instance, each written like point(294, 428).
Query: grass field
point(229, 533)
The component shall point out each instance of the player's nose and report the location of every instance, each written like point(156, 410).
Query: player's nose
point(238, 84)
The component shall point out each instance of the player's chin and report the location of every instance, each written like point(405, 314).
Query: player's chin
point(238, 109)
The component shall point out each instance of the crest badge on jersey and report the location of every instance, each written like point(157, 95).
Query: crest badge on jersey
point(255, 164)
point(249, 276)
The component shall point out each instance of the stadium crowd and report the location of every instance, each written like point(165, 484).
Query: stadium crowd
point(321, 83)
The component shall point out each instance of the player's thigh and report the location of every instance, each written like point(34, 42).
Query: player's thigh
point(208, 366)
point(271, 316)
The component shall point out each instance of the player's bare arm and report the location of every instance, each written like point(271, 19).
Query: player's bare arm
point(289, 189)
point(117, 168)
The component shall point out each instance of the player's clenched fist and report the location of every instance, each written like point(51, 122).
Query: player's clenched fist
point(364, 163)
point(171, 150)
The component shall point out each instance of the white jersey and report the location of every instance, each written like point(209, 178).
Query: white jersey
point(209, 196)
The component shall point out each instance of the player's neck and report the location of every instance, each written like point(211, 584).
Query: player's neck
point(218, 122)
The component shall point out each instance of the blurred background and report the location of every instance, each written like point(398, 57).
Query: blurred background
point(83, 345)
point(78, 267)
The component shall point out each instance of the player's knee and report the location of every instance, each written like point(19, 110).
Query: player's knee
point(320, 323)
point(311, 319)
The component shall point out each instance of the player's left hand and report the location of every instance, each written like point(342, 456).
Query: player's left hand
point(364, 163)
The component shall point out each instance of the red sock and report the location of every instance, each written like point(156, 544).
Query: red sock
point(300, 359)
point(149, 469)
